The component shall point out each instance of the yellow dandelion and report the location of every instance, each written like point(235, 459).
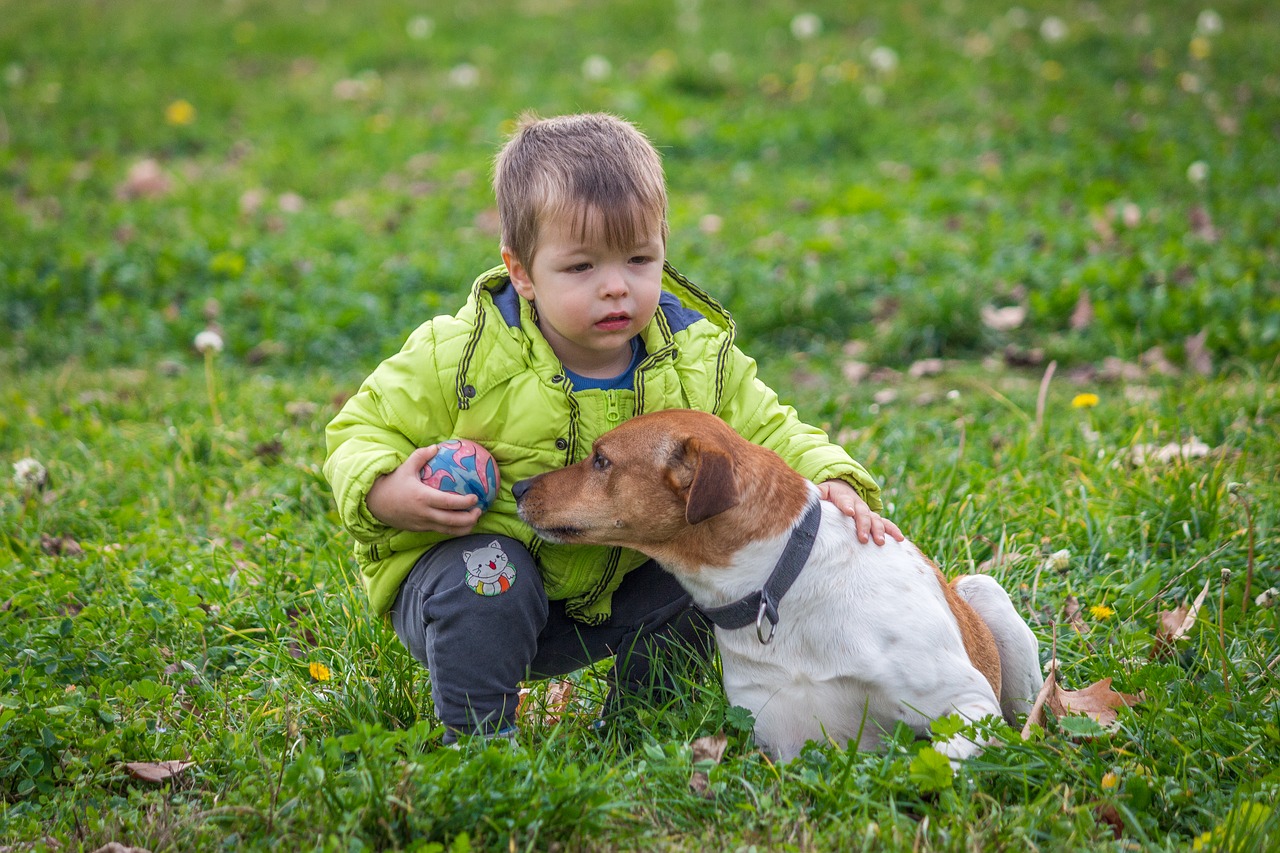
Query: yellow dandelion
point(319, 671)
point(1084, 401)
point(1110, 780)
point(1199, 48)
point(180, 113)
point(1101, 611)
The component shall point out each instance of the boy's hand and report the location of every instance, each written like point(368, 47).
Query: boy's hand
point(401, 500)
point(871, 526)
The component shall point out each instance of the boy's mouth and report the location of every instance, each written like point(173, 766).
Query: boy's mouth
point(613, 322)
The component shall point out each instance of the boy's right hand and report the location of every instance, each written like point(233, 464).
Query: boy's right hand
point(401, 500)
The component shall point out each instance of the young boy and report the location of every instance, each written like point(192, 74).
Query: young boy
point(583, 326)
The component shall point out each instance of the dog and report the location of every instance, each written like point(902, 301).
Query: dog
point(821, 637)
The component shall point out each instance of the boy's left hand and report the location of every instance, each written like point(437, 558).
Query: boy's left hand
point(871, 526)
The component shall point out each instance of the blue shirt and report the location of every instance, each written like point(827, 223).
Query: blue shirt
point(625, 379)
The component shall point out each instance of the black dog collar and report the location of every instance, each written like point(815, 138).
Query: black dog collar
point(763, 605)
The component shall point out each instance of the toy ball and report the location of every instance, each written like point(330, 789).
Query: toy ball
point(465, 468)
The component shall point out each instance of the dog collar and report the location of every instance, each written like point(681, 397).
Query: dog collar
point(762, 605)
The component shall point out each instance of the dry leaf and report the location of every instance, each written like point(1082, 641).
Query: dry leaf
point(926, 367)
point(1193, 448)
point(706, 749)
point(1175, 624)
point(552, 710)
point(1198, 357)
point(1004, 319)
point(1082, 314)
point(1097, 700)
point(146, 179)
point(1202, 224)
point(1071, 613)
point(61, 546)
point(157, 771)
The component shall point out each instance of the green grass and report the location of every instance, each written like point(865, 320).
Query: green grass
point(991, 167)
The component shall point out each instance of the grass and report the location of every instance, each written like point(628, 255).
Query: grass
point(180, 589)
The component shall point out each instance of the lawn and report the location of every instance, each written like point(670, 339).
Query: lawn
point(1024, 262)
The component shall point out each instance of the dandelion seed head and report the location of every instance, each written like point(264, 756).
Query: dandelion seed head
point(28, 473)
point(420, 27)
point(465, 76)
point(209, 341)
point(883, 59)
point(1208, 23)
point(806, 26)
point(596, 68)
point(1053, 30)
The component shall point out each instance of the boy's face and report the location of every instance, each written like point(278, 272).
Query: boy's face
point(591, 299)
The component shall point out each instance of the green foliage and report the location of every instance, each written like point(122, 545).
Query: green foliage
point(179, 590)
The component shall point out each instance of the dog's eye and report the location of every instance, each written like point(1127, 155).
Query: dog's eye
point(599, 462)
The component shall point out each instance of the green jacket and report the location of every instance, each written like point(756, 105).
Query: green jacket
point(487, 374)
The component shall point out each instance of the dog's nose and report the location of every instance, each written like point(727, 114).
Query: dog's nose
point(520, 488)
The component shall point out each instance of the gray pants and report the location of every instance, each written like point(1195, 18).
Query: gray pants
point(473, 610)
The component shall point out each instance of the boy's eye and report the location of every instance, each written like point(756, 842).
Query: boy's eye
point(583, 267)
point(641, 259)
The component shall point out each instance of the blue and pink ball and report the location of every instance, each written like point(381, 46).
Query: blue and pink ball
point(463, 467)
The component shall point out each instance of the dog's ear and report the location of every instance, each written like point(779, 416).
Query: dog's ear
point(713, 488)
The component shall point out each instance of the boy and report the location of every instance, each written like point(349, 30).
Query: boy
point(584, 325)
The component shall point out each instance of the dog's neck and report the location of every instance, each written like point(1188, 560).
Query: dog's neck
point(772, 500)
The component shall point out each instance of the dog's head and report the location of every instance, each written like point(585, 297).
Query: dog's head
point(658, 484)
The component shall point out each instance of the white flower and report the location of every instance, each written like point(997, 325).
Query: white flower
point(28, 473)
point(596, 68)
point(1060, 560)
point(1053, 29)
point(420, 27)
point(209, 341)
point(884, 59)
point(464, 76)
point(1198, 172)
point(1267, 597)
point(1208, 23)
point(806, 25)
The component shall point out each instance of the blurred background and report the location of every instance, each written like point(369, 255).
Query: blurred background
point(956, 178)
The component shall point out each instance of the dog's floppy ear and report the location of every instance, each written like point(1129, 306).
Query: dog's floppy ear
point(713, 488)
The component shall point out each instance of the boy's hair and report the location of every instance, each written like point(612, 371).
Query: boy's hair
point(598, 169)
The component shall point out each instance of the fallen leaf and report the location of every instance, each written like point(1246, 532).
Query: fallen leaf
point(926, 367)
point(1192, 448)
point(145, 179)
point(1176, 623)
point(550, 711)
point(1097, 701)
point(1004, 319)
point(1202, 224)
point(1071, 613)
point(1082, 314)
point(61, 546)
point(1198, 357)
point(708, 749)
point(157, 771)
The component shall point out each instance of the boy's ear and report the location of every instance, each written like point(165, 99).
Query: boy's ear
point(519, 274)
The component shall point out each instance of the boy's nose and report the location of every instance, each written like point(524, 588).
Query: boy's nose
point(614, 284)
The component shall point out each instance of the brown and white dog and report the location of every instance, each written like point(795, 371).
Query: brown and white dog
point(838, 642)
